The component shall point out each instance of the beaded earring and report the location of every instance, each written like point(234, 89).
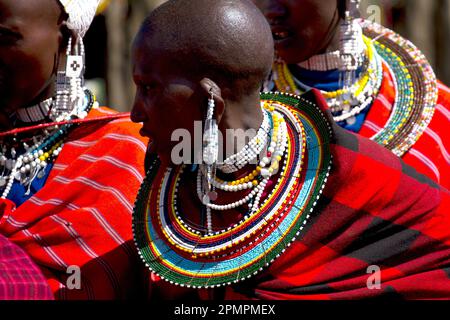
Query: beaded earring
point(210, 157)
point(351, 48)
point(69, 82)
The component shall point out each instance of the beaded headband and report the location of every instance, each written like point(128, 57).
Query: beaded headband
point(81, 13)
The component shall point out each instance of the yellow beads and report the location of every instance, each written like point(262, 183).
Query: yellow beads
point(285, 81)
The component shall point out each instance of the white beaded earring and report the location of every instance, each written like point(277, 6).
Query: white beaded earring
point(69, 82)
point(351, 47)
point(210, 157)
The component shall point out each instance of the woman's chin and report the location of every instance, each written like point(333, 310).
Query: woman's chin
point(164, 154)
point(292, 54)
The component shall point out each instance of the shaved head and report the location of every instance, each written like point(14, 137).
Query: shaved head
point(226, 40)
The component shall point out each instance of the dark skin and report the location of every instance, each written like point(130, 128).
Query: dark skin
point(173, 85)
point(303, 28)
point(32, 36)
point(172, 93)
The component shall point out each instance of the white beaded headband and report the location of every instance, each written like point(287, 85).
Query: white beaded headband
point(81, 13)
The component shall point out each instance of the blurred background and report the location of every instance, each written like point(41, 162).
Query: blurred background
point(425, 22)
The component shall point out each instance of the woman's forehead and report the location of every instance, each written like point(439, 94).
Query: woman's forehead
point(23, 13)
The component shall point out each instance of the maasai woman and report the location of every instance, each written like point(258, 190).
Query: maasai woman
point(376, 83)
point(68, 168)
point(302, 210)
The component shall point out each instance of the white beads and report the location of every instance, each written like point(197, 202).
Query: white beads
point(35, 113)
point(11, 178)
point(231, 188)
point(250, 151)
point(30, 164)
point(268, 166)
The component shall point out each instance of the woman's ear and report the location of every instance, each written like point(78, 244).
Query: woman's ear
point(342, 7)
point(64, 35)
point(211, 89)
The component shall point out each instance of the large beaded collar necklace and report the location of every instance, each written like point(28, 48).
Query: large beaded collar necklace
point(345, 104)
point(24, 157)
point(414, 80)
point(201, 256)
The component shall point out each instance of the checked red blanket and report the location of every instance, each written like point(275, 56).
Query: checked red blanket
point(20, 278)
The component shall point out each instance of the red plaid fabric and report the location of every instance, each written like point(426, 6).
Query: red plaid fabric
point(20, 278)
point(376, 212)
point(82, 216)
point(430, 154)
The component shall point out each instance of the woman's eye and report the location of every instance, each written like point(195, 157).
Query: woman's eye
point(8, 37)
point(150, 87)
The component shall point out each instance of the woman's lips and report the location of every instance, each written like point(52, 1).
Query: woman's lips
point(281, 35)
point(280, 32)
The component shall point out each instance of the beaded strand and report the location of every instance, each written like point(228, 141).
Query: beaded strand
point(32, 163)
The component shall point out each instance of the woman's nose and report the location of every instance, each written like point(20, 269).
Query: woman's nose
point(137, 112)
point(274, 9)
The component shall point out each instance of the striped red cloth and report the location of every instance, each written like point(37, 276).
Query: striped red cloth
point(82, 216)
point(430, 154)
point(20, 278)
point(377, 217)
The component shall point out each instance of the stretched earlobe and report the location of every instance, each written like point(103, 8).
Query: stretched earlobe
point(65, 34)
point(211, 89)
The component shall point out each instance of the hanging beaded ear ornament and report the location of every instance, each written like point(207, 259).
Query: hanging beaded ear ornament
point(268, 166)
point(351, 49)
point(347, 103)
point(24, 158)
point(356, 94)
point(69, 83)
point(414, 79)
point(189, 255)
point(207, 170)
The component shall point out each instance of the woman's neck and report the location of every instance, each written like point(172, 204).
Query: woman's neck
point(7, 118)
point(240, 123)
point(331, 40)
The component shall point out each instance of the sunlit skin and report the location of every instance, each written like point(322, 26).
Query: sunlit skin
point(303, 28)
point(32, 35)
point(165, 100)
point(172, 93)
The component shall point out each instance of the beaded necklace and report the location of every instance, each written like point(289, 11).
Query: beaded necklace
point(414, 80)
point(416, 89)
point(23, 161)
point(260, 176)
point(344, 104)
point(35, 113)
point(237, 161)
point(187, 254)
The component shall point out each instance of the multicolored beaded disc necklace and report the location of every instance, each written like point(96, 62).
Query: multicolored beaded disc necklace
point(188, 254)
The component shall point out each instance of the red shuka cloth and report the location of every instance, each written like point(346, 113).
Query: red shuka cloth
point(376, 213)
point(82, 216)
